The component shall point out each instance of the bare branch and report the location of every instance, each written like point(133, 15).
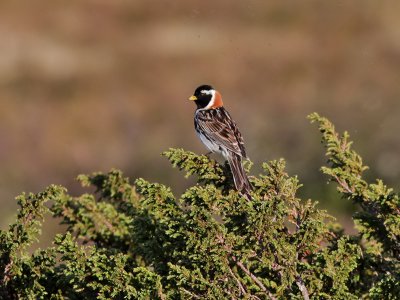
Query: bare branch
point(302, 287)
point(241, 287)
point(254, 278)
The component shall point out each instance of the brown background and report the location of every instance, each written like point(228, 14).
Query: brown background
point(87, 86)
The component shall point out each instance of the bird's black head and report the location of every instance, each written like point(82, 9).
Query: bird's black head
point(203, 95)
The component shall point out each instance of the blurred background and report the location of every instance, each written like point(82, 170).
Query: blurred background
point(90, 85)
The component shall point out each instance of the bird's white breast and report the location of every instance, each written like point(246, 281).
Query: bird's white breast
point(213, 147)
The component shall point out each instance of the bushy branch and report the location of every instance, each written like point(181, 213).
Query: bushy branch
point(140, 241)
point(378, 221)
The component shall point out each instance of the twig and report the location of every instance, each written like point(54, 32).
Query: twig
point(190, 293)
point(241, 287)
point(302, 287)
point(343, 184)
point(247, 271)
point(254, 278)
point(7, 269)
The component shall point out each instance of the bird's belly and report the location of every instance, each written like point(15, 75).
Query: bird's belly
point(213, 147)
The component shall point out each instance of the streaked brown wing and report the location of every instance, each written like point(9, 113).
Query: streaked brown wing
point(218, 125)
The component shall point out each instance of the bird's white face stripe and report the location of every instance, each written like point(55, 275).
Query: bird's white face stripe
point(209, 92)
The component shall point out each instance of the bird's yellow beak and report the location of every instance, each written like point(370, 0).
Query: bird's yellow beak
point(193, 98)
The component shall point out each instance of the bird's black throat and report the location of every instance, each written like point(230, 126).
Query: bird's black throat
point(203, 101)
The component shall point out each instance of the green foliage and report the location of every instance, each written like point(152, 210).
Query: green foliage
point(378, 220)
point(139, 241)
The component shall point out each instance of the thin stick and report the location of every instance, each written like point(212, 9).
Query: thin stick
point(241, 287)
point(254, 278)
point(302, 287)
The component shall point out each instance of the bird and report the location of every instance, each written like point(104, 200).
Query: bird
point(220, 134)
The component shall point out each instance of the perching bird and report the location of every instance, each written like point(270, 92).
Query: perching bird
point(219, 133)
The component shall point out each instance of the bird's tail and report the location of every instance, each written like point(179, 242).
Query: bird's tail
point(240, 178)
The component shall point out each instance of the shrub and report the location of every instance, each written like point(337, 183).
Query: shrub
point(138, 241)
